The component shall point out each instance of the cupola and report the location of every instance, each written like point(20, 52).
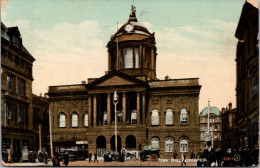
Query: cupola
point(132, 49)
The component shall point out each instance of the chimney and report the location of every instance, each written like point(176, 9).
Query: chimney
point(223, 109)
point(166, 77)
point(230, 106)
point(83, 82)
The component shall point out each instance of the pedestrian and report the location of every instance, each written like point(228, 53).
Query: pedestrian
point(90, 158)
point(56, 160)
point(95, 157)
point(228, 159)
point(183, 160)
point(199, 158)
point(45, 157)
point(175, 155)
point(209, 155)
point(66, 159)
point(191, 155)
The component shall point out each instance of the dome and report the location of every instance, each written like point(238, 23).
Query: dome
point(132, 26)
point(212, 110)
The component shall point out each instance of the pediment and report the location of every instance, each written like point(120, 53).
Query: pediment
point(116, 81)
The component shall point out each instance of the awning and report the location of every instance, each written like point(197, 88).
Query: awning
point(81, 142)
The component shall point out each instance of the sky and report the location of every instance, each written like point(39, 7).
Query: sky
point(68, 38)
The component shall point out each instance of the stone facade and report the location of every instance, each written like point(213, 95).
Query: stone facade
point(247, 87)
point(162, 113)
point(215, 126)
point(18, 133)
point(228, 127)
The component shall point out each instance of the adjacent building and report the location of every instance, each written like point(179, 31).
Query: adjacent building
point(17, 117)
point(229, 139)
point(247, 72)
point(214, 123)
point(161, 113)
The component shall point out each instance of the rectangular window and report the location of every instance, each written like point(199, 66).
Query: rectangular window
point(216, 128)
point(21, 117)
point(136, 57)
point(86, 120)
point(9, 113)
point(9, 83)
point(20, 87)
point(128, 57)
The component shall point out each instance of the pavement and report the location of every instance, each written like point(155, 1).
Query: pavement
point(101, 163)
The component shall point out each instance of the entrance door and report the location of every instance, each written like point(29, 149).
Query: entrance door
point(16, 150)
point(112, 142)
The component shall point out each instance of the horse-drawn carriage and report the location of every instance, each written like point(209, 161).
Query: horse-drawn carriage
point(150, 153)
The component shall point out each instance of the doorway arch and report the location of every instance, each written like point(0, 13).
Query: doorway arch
point(112, 143)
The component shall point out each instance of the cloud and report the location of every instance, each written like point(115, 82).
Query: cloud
point(65, 54)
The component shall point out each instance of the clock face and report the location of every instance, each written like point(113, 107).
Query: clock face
point(129, 27)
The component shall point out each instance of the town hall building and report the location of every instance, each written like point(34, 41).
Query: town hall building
point(150, 111)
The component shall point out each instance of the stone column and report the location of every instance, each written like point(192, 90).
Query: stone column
point(140, 57)
point(138, 116)
point(108, 143)
point(89, 111)
point(143, 57)
point(124, 107)
point(152, 59)
point(108, 110)
point(95, 111)
point(5, 112)
point(143, 108)
point(109, 60)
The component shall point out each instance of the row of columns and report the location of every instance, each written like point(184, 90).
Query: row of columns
point(94, 112)
point(142, 55)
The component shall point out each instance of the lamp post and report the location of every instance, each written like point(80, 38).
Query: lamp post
point(115, 101)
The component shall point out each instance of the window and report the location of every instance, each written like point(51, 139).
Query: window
point(62, 120)
point(155, 142)
point(155, 117)
point(128, 57)
point(216, 128)
point(168, 144)
point(136, 57)
point(74, 119)
point(183, 116)
point(255, 86)
point(9, 113)
point(20, 87)
point(119, 117)
point(20, 116)
point(9, 83)
point(183, 145)
point(216, 136)
point(211, 120)
point(105, 118)
point(169, 115)
point(133, 117)
point(86, 119)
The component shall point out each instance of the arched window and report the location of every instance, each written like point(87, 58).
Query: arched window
point(183, 116)
point(133, 117)
point(169, 117)
point(168, 144)
point(128, 57)
point(105, 118)
point(86, 119)
point(74, 119)
point(183, 145)
point(62, 121)
point(155, 117)
point(155, 142)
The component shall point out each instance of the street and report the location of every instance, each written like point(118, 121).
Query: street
point(102, 163)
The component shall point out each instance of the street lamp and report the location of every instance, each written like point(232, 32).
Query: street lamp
point(115, 101)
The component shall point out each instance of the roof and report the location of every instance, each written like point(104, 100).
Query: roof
point(212, 110)
point(138, 28)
